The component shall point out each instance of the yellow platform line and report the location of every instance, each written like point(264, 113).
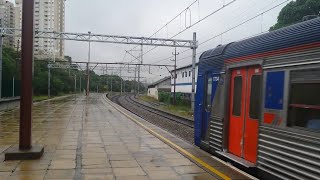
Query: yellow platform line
point(186, 153)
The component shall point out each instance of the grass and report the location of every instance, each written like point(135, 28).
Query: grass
point(40, 98)
point(180, 110)
point(45, 97)
point(148, 98)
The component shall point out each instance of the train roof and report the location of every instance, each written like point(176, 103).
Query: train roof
point(303, 33)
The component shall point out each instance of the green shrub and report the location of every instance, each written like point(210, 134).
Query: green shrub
point(164, 97)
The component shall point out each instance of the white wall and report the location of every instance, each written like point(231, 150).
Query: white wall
point(153, 92)
point(184, 84)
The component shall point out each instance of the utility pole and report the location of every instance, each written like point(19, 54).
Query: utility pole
point(194, 53)
point(141, 62)
point(111, 85)
point(49, 82)
point(75, 87)
point(87, 75)
point(124, 86)
point(17, 59)
point(88, 70)
point(80, 85)
point(135, 79)
point(13, 86)
point(120, 81)
point(175, 75)
point(1, 46)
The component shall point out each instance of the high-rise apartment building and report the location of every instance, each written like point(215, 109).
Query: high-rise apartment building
point(7, 20)
point(49, 15)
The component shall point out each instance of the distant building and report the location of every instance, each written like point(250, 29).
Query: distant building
point(7, 20)
point(49, 15)
point(163, 85)
point(184, 80)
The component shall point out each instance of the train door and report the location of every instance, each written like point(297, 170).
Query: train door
point(244, 112)
point(211, 86)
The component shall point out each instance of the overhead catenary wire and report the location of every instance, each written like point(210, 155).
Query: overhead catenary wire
point(170, 21)
point(197, 22)
point(226, 31)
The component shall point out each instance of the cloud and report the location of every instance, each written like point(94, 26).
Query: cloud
point(144, 17)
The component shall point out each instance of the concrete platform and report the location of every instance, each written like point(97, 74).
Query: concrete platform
point(14, 153)
point(91, 138)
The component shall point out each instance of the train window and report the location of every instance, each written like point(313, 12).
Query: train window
point(304, 99)
point(209, 91)
point(237, 94)
point(255, 97)
point(218, 103)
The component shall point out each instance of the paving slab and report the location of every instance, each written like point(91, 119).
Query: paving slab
point(89, 138)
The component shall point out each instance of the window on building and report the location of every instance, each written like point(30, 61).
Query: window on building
point(304, 99)
point(189, 73)
point(182, 74)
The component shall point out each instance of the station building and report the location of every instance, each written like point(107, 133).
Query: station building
point(163, 85)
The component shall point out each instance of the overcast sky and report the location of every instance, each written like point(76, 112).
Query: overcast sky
point(144, 17)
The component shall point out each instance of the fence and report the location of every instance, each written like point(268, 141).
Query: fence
point(10, 88)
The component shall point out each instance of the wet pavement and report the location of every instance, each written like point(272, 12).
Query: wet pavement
point(89, 139)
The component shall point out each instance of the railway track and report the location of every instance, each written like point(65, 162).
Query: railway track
point(158, 112)
point(177, 125)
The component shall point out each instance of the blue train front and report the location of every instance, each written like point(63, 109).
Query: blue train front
point(258, 102)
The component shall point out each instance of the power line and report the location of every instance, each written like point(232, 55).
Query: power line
point(230, 29)
point(200, 20)
point(171, 20)
point(179, 14)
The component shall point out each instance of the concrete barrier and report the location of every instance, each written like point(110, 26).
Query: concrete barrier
point(8, 104)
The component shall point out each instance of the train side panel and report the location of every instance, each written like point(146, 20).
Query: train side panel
point(286, 117)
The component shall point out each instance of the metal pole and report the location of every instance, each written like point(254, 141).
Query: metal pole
point(111, 85)
point(124, 86)
point(120, 82)
point(88, 71)
point(175, 75)
point(80, 85)
point(75, 87)
point(141, 62)
point(26, 75)
point(87, 89)
point(49, 82)
point(17, 59)
point(135, 79)
point(106, 77)
point(194, 53)
point(1, 46)
point(13, 86)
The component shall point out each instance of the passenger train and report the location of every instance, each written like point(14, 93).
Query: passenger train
point(258, 102)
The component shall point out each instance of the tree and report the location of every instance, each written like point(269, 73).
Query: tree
point(68, 58)
point(294, 11)
point(62, 80)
